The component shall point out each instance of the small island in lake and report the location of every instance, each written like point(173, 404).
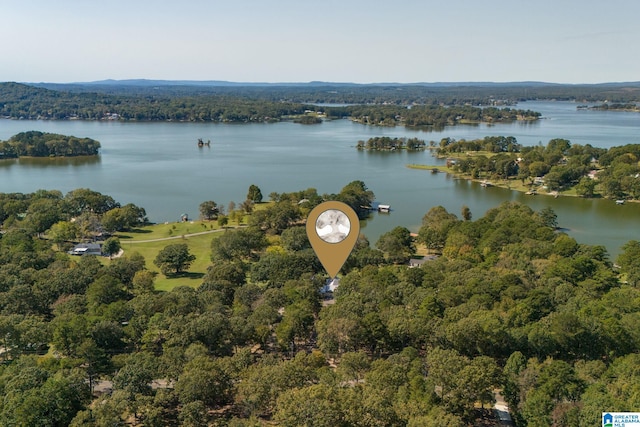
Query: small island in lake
point(385, 143)
point(43, 144)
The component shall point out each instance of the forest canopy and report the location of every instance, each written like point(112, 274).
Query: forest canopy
point(506, 302)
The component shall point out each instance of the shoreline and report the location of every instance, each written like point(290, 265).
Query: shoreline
point(514, 185)
point(509, 185)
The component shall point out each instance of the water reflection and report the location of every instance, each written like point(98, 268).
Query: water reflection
point(51, 162)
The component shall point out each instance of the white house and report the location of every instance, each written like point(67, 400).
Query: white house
point(86, 249)
point(330, 285)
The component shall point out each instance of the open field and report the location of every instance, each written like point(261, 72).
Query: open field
point(151, 239)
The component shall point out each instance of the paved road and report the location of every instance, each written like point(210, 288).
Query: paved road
point(180, 236)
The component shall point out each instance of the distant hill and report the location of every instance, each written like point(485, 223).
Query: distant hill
point(363, 93)
point(143, 99)
point(312, 84)
point(149, 82)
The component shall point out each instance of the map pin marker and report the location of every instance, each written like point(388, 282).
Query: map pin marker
point(333, 229)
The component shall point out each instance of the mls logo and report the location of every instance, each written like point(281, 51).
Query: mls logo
point(607, 420)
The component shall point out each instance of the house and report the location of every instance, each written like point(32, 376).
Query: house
point(86, 249)
point(418, 262)
point(330, 285)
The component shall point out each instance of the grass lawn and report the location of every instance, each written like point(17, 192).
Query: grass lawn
point(168, 229)
point(174, 233)
point(151, 239)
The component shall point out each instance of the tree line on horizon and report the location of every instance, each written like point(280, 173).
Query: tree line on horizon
point(266, 103)
point(461, 93)
point(27, 102)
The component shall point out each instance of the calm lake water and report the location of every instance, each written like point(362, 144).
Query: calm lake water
point(158, 166)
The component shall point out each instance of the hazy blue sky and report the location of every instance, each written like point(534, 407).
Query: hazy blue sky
point(564, 41)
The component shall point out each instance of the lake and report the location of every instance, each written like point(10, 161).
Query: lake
point(160, 167)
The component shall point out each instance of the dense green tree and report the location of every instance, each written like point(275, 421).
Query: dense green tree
point(54, 402)
point(69, 332)
point(353, 366)
point(397, 245)
point(225, 277)
point(465, 212)
point(461, 381)
point(42, 214)
point(277, 268)
point(125, 267)
point(435, 226)
point(209, 210)
point(254, 194)
point(103, 291)
point(262, 383)
point(296, 325)
point(193, 414)
point(586, 187)
point(358, 197)
point(315, 405)
point(549, 217)
point(204, 380)
point(136, 375)
point(295, 239)
point(95, 361)
point(63, 231)
point(143, 282)
point(276, 218)
point(173, 259)
point(84, 200)
point(111, 246)
point(240, 244)
point(628, 261)
point(123, 218)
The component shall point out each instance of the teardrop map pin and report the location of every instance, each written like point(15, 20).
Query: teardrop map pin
point(333, 229)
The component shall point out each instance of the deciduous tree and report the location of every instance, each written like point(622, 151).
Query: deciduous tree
point(174, 259)
point(111, 246)
point(254, 194)
point(209, 210)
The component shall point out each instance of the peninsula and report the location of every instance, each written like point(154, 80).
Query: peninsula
point(558, 168)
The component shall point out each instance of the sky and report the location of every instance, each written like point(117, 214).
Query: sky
point(372, 41)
